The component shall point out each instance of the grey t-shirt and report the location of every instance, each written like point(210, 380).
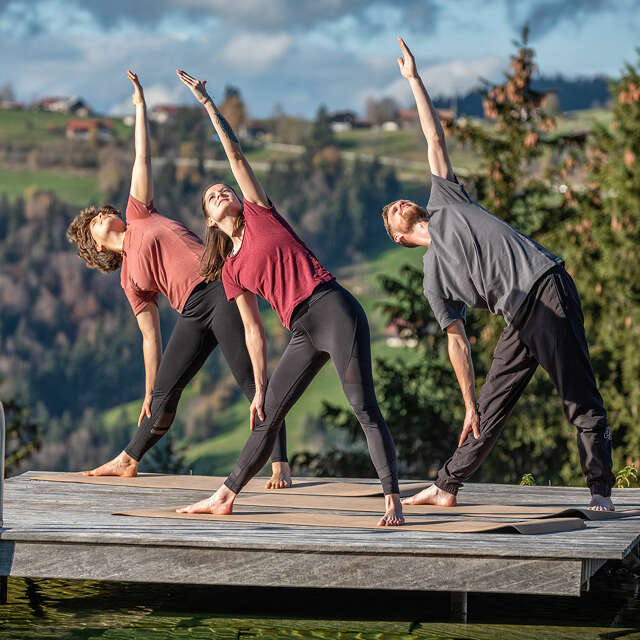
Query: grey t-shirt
point(476, 259)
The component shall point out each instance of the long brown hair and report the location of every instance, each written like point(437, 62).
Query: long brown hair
point(217, 244)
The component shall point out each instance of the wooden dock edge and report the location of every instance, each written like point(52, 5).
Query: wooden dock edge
point(197, 565)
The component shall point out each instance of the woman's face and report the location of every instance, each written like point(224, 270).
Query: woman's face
point(220, 202)
point(102, 225)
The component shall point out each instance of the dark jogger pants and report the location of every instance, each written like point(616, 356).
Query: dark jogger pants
point(330, 324)
point(548, 330)
point(207, 320)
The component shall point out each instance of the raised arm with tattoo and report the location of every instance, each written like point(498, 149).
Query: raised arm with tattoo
point(429, 121)
point(460, 356)
point(249, 185)
point(141, 176)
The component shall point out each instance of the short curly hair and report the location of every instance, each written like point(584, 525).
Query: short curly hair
point(79, 234)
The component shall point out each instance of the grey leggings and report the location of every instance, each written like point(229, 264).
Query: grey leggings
point(330, 324)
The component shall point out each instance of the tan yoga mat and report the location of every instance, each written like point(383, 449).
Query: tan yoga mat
point(362, 521)
point(305, 486)
point(337, 503)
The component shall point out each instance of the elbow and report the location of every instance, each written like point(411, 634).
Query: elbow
point(435, 138)
point(254, 334)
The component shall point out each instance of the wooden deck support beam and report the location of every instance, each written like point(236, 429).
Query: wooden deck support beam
point(459, 611)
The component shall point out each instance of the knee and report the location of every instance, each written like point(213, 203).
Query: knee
point(163, 410)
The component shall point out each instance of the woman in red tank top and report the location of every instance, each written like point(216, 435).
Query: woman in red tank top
point(157, 255)
point(255, 251)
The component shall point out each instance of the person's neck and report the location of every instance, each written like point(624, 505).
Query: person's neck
point(228, 226)
point(420, 234)
point(115, 242)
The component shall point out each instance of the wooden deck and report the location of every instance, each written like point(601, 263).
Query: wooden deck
point(64, 530)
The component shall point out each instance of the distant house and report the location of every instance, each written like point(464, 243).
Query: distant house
point(85, 129)
point(74, 106)
point(407, 118)
point(11, 104)
point(162, 113)
point(254, 131)
point(399, 334)
point(346, 120)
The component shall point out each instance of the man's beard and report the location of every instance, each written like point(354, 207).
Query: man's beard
point(411, 215)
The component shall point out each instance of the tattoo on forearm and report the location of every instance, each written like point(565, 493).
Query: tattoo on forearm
point(226, 127)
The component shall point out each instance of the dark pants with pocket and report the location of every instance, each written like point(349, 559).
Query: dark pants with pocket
point(207, 320)
point(549, 331)
point(329, 325)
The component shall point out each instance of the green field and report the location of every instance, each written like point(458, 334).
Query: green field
point(35, 127)
point(77, 188)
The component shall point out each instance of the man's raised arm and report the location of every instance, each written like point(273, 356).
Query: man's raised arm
point(429, 121)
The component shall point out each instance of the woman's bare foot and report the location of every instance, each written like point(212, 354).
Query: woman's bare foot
point(220, 503)
point(601, 503)
point(393, 511)
point(280, 476)
point(432, 495)
point(122, 465)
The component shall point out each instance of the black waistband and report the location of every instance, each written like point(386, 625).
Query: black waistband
point(302, 307)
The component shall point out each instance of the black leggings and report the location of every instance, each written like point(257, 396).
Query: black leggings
point(207, 320)
point(329, 324)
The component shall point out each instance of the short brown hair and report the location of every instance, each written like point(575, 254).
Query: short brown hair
point(79, 234)
point(385, 217)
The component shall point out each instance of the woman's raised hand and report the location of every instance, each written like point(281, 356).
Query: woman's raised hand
point(198, 87)
point(407, 64)
point(138, 96)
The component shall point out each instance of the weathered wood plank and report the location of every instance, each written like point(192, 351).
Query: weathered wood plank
point(291, 569)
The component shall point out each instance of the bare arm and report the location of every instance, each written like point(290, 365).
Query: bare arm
point(429, 121)
point(149, 323)
point(257, 347)
point(460, 356)
point(243, 173)
point(141, 176)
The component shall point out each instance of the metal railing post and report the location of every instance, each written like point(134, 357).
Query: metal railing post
point(3, 436)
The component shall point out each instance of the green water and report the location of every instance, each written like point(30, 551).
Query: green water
point(78, 610)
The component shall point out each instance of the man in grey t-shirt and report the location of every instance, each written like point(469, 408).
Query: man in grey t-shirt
point(476, 259)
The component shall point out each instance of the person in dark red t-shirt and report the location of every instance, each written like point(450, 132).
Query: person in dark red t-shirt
point(158, 255)
point(253, 249)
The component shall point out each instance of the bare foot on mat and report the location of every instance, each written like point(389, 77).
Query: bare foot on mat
point(122, 465)
point(280, 476)
point(393, 516)
point(600, 503)
point(432, 495)
point(218, 504)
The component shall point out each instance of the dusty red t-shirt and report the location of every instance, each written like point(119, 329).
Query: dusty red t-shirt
point(272, 262)
point(160, 256)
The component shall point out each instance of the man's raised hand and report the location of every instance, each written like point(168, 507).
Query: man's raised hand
point(197, 87)
point(407, 64)
point(138, 96)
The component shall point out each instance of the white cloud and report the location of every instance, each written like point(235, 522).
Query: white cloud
point(154, 95)
point(455, 77)
point(255, 52)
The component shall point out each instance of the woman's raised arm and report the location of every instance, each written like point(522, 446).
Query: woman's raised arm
point(249, 185)
point(141, 176)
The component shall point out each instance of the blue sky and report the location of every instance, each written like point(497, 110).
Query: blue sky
point(297, 53)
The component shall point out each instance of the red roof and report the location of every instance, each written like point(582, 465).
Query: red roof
point(84, 125)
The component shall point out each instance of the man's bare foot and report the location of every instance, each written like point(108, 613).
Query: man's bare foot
point(432, 495)
point(393, 511)
point(220, 503)
point(122, 465)
point(280, 476)
point(601, 503)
